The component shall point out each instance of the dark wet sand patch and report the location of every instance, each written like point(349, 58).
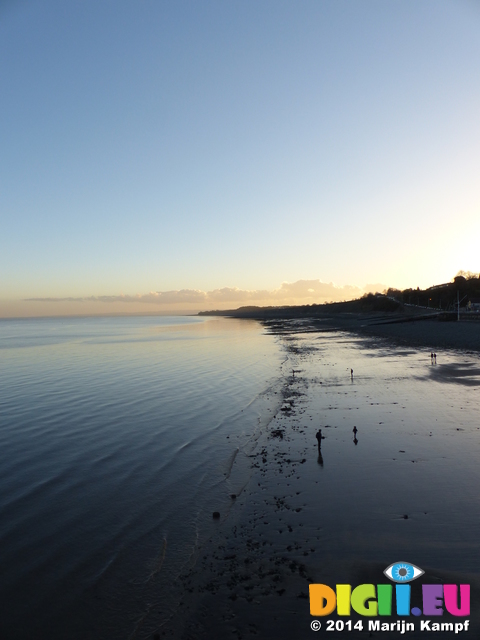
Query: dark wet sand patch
point(467, 373)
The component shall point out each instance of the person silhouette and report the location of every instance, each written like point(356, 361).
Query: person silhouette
point(351, 374)
point(355, 431)
point(319, 437)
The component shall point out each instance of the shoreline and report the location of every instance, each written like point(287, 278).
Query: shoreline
point(379, 316)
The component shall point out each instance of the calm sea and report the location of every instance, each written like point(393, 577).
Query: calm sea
point(118, 437)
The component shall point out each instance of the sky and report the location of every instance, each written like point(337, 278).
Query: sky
point(164, 156)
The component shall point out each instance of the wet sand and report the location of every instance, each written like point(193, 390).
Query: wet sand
point(431, 334)
point(402, 487)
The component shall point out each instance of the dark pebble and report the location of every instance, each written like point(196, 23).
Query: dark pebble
point(216, 515)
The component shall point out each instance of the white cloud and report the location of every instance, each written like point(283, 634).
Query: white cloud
point(299, 292)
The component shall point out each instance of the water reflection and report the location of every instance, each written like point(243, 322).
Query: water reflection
point(114, 433)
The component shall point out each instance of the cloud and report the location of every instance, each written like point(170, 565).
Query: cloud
point(315, 289)
point(154, 297)
point(375, 288)
point(299, 292)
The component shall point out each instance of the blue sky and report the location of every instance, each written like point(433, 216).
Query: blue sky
point(164, 146)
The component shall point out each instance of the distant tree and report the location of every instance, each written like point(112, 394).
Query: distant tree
point(468, 275)
point(393, 293)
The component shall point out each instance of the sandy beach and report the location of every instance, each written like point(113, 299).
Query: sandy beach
point(402, 487)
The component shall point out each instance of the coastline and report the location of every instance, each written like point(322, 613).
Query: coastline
point(374, 315)
point(251, 579)
point(417, 327)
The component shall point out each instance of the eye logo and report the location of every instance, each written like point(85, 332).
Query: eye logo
point(403, 572)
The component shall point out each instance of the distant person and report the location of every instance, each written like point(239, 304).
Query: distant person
point(355, 431)
point(351, 374)
point(435, 357)
point(431, 357)
point(319, 440)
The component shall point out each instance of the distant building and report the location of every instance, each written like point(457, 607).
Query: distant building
point(445, 285)
point(474, 304)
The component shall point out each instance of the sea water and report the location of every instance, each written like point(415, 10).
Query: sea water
point(118, 437)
